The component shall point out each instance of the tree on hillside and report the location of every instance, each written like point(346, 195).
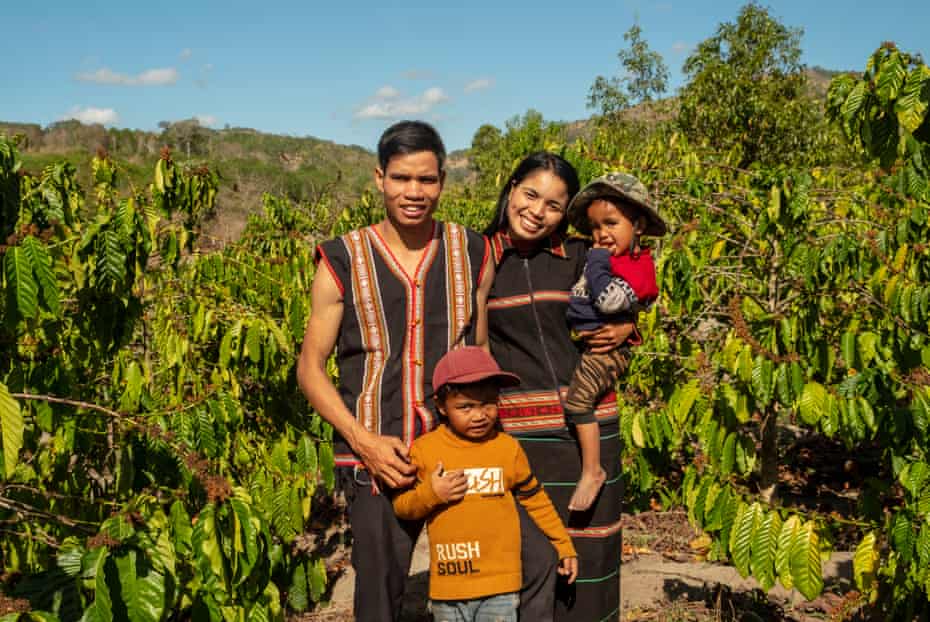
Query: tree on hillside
point(188, 135)
point(494, 153)
point(644, 77)
point(745, 92)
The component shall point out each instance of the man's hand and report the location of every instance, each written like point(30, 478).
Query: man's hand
point(607, 337)
point(450, 486)
point(387, 459)
point(568, 567)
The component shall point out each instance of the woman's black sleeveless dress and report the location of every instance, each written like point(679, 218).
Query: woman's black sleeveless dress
point(529, 336)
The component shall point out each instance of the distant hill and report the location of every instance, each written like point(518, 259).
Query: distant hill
point(249, 162)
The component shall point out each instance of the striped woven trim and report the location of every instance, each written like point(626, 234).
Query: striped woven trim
point(521, 412)
point(509, 302)
point(413, 348)
point(374, 331)
point(343, 460)
point(458, 282)
point(603, 531)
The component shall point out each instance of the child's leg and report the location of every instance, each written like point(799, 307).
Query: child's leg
point(595, 374)
point(592, 473)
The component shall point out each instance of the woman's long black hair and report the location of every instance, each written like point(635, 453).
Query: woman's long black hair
point(541, 160)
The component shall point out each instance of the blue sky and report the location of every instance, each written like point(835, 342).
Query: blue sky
point(344, 70)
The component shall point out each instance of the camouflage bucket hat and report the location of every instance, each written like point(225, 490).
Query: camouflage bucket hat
point(617, 186)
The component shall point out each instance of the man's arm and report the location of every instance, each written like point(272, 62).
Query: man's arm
point(385, 457)
point(481, 305)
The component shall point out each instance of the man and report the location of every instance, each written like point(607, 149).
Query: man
point(391, 299)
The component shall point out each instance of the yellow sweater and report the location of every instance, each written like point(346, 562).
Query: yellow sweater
point(475, 543)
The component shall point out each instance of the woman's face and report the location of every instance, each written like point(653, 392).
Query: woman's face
point(536, 206)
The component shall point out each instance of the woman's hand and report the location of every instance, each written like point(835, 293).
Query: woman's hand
point(607, 337)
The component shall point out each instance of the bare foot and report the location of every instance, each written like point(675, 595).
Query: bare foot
point(586, 490)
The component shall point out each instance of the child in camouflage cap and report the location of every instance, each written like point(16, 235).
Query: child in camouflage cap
point(619, 279)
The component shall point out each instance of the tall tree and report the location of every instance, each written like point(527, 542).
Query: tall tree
point(643, 78)
point(745, 91)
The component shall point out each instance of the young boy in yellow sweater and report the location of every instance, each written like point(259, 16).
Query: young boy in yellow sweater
point(468, 476)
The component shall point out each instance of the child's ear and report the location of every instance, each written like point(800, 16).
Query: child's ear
point(640, 224)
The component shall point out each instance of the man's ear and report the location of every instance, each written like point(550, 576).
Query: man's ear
point(379, 179)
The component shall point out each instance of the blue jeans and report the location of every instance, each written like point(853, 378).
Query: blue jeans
point(497, 608)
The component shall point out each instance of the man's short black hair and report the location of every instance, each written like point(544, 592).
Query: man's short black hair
point(410, 137)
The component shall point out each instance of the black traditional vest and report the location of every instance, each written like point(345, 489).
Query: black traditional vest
point(395, 326)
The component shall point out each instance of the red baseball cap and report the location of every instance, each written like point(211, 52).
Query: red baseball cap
point(470, 364)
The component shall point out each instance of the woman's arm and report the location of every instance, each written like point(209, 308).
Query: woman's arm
point(608, 336)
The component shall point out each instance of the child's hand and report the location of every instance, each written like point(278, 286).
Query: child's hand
point(568, 567)
point(450, 486)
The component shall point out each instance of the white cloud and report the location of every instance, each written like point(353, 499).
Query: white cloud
point(480, 84)
point(151, 77)
point(389, 103)
point(434, 96)
point(185, 54)
point(206, 120)
point(680, 46)
point(103, 116)
point(387, 92)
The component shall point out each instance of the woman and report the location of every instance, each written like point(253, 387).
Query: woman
point(536, 268)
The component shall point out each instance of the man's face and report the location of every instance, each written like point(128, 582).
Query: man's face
point(411, 186)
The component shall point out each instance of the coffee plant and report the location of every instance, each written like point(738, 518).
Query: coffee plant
point(158, 458)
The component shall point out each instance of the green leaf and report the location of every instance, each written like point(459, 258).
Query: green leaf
point(142, 589)
point(327, 465)
point(22, 291)
point(317, 579)
point(102, 608)
point(42, 267)
point(813, 402)
point(868, 348)
point(249, 535)
point(786, 537)
point(111, 260)
point(902, 536)
point(848, 349)
point(12, 426)
point(865, 563)
point(854, 101)
point(180, 527)
point(764, 544)
point(298, 594)
point(253, 342)
point(129, 401)
point(762, 380)
point(745, 455)
point(806, 569)
point(914, 476)
point(728, 456)
point(744, 525)
point(206, 544)
point(306, 456)
point(891, 77)
point(911, 106)
point(636, 430)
